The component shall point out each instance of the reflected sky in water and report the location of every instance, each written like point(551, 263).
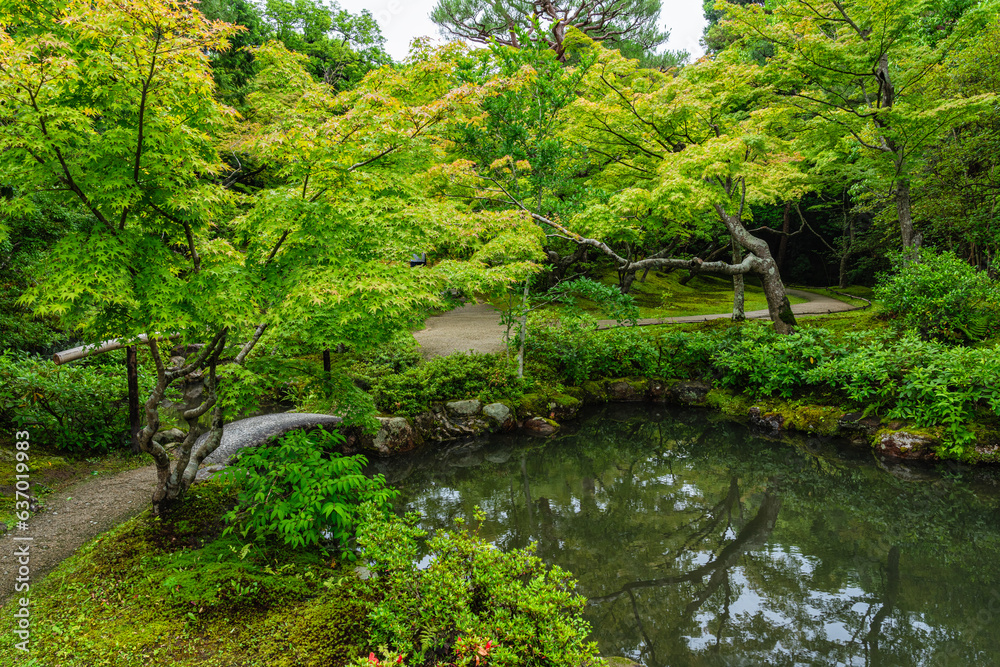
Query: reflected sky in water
point(700, 544)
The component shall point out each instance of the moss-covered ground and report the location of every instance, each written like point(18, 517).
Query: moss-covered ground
point(662, 295)
point(173, 591)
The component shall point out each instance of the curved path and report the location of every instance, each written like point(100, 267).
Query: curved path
point(476, 327)
point(72, 517)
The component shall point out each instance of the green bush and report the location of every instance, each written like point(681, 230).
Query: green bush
point(753, 357)
point(80, 409)
point(472, 601)
point(941, 297)
point(300, 491)
point(456, 376)
point(573, 347)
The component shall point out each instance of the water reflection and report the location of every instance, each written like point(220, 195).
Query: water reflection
point(698, 544)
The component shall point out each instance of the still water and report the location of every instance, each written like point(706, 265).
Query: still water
point(698, 543)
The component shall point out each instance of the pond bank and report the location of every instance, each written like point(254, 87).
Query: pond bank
point(542, 413)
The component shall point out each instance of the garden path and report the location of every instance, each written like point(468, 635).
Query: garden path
point(72, 517)
point(475, 327)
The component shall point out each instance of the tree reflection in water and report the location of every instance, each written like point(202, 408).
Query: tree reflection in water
point(698, 544)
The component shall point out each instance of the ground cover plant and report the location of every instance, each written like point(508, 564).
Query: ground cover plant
point(178, 590)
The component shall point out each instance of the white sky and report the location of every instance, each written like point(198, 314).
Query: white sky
point(402, 20)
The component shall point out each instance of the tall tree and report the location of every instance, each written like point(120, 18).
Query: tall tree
point(682, 156)
point(860, 72)
point(628, 25)
point(112, 107)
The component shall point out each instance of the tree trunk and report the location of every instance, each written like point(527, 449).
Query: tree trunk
point(625, 280)
point(786, 226)
point(523, 332)
point(739, 311)
point(778, 306)
point(846, 254)
point(904, 213)
point(132, 375)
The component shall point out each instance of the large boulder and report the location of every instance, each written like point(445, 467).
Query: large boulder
point(626, 390)
point(395, 435)
point(907, 444)
point(539, 426)
point(500, 414)
point(690, 392)
point(463, 409)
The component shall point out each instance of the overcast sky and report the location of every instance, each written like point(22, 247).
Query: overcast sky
point(402, 20)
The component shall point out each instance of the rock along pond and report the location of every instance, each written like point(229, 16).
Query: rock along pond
point(698, 543)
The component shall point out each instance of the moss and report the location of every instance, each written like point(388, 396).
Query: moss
point(565, 401)
point(816, 419)
point(594, 391)
point(729, 403)
point(328, 630)
point(533, 404)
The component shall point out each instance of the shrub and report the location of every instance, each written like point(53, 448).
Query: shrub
point(575, 349)
point(295, 490)
point(82, 409)
point(754, 357)
point(941, 297)
point(456, 376)
point(472, 600)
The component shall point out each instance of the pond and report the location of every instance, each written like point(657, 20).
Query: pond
point(698, 543)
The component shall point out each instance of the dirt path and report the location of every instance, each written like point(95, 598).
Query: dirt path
point(477, 328)
point(72, 516)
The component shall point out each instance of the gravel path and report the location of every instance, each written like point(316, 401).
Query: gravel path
point(73, 516)
point(477, 328)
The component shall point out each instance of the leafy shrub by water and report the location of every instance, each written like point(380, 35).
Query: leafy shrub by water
point(81, 409)
point(303, 492)
point(471, 602)
point(456, 376)
point(896, 376)
point(941, 297)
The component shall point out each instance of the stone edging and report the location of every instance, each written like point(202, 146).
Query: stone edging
point(541, 414)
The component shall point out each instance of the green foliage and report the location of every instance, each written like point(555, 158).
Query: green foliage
point(82, 409)
point(941, 297)
point(899, 377)
point(574, 348)
point(755, 358)
point(472, 597)
point(304, 494)
point(456, 376)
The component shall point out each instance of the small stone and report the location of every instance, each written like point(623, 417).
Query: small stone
point(770, 422)
point(540, 426)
